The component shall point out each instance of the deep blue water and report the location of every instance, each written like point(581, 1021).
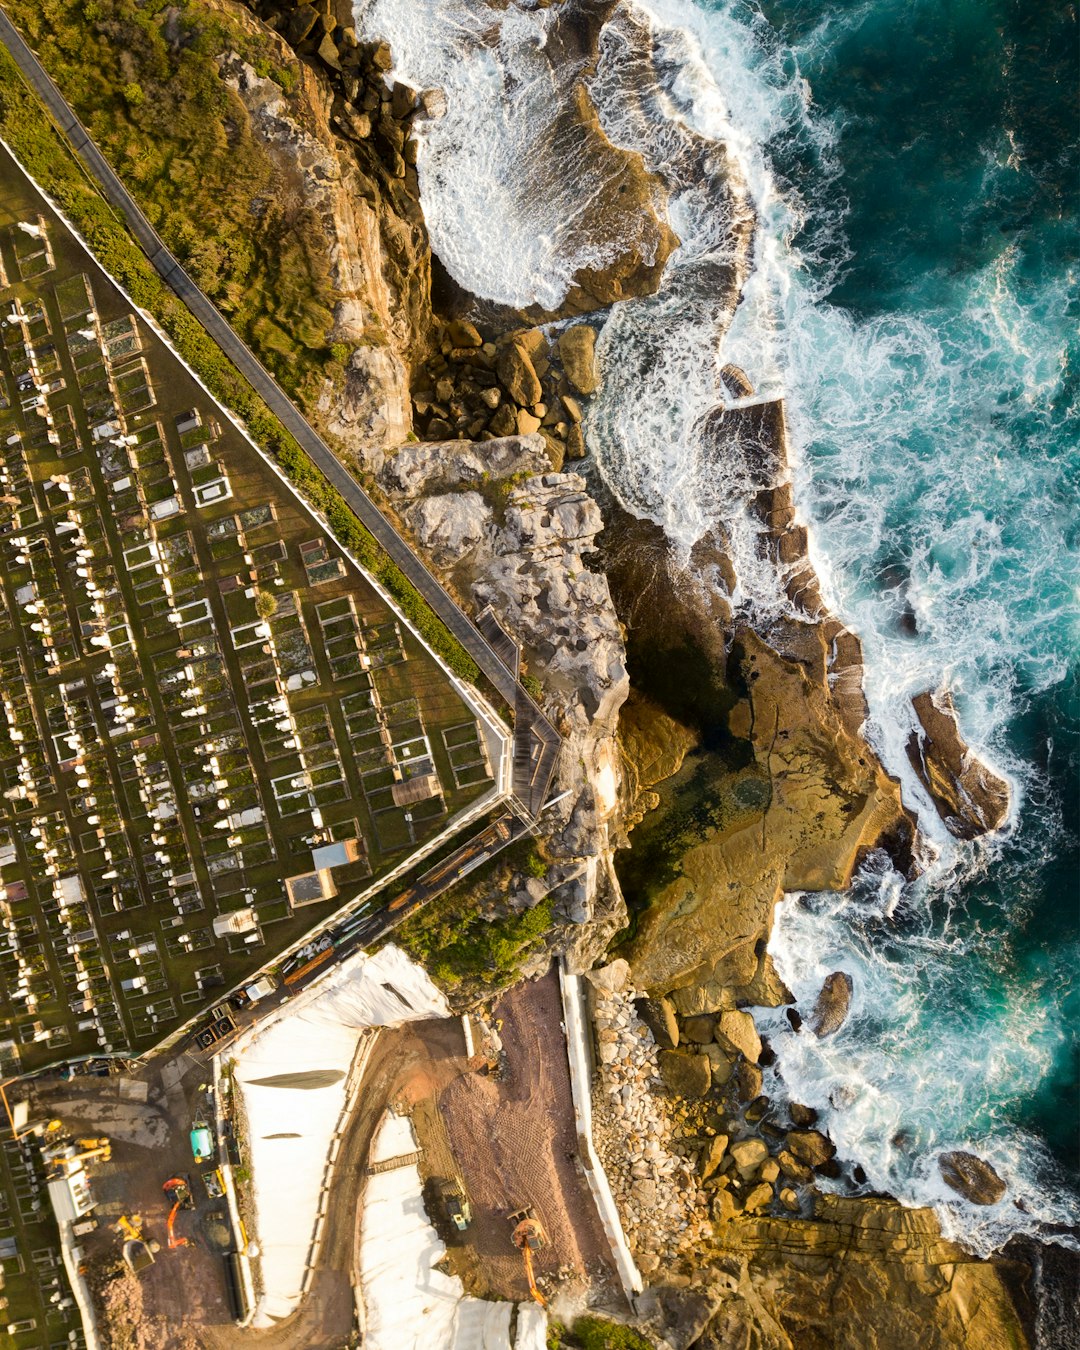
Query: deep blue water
point(929, 172)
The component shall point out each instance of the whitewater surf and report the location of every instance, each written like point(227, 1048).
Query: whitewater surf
point(912, 306)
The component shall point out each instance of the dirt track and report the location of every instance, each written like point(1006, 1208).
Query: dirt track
point(511, 1140)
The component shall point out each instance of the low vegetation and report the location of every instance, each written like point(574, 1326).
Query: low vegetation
point(595, 1333)
point(38, 147)
point(455, 942)
point(142, 76)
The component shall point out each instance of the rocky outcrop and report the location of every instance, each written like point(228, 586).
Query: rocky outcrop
point(490, 388)
point(972, 1177)
point(577, 352)
point(512, 534)
point(375, 241)
point(810, 802)
point(852, 1274)
point(970, 799)
point(831, 1009)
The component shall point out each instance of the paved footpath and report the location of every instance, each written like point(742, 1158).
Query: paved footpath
point(536, 742)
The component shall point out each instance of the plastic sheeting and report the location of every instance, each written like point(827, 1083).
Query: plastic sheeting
point(292, 1071)
point(482, 1325)
point(531, 1327)
point(410, 1305)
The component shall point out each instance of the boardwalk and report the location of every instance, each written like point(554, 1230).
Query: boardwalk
point(536, 742)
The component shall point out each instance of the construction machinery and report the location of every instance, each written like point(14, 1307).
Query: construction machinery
point(202, 1142)
point(214, 1183)
point(179, 1192)
point(528, 1236)
point(456, 1204)
point(138, 1253)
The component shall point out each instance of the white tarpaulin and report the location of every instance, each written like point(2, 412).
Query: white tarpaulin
point(531, 1327)
point(482, 1325)
point(292, 1072)
point(408, 1304)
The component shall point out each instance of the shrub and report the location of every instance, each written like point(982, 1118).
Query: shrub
point(597, 1333)
point(49, 161)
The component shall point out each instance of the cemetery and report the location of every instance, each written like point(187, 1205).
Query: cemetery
point(213, 727)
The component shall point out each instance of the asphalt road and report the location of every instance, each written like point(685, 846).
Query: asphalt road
point(536, 740)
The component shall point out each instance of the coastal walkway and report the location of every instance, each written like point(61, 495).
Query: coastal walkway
point(536, 742)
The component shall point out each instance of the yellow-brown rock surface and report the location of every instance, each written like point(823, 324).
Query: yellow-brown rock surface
point(828, 803)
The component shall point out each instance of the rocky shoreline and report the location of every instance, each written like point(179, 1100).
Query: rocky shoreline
point(469, 425)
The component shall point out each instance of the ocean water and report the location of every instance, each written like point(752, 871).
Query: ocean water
point(912, 291)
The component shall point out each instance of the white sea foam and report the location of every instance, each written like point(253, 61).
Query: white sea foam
point(936, 1054)
point(709, 98)
point(515, 201)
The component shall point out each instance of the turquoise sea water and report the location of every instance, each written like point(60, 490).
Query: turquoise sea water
point(926, 157)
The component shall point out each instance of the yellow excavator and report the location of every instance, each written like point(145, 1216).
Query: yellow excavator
point(528, 1236)
point(137, 1252)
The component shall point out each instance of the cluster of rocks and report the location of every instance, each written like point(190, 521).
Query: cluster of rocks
point(663, 1207)
point(686, 1146)
point(757, 1153)
point(510, 533)
point(365, 109)
point(520, 384)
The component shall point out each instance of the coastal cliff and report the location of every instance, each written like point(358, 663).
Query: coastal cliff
point(738, 770)
point(795, 800)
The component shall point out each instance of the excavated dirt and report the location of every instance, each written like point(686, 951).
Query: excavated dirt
point(515, 1143)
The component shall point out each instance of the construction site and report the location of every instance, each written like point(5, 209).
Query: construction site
point(413, 1180)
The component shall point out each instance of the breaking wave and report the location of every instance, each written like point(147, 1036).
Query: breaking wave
point(925, 350)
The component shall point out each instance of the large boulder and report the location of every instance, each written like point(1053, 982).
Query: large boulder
point(449, 526)
point(659, 1016)
point(699, 1029)
point(517, 374)
point(577, 352)
point(736, 1030)
point(748, 1155)
point(810, 1147)
point(969, 798)
point(748, 1081)
point(831, 1008)
point(683, 1074)
point(972, 1177)
point(713, 1155)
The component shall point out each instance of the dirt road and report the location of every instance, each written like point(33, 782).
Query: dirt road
point(511, 1140)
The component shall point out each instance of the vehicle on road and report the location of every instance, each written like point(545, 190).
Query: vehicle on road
point(254, 992)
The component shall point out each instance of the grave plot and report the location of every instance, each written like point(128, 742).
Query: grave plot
point(39, 1308)
point(212, 727)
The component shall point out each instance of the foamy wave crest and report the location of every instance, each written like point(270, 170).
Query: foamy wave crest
point(649, 426)
point(940, 1051)
point(515, 198)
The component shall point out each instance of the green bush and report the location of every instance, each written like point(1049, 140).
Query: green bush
point(597, 1333)
point(454, 943)
point(48, 160)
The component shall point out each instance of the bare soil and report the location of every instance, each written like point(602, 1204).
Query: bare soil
point(509, 1140)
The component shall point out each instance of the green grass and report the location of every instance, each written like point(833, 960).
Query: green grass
point(38, 147)
point(143, 79)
